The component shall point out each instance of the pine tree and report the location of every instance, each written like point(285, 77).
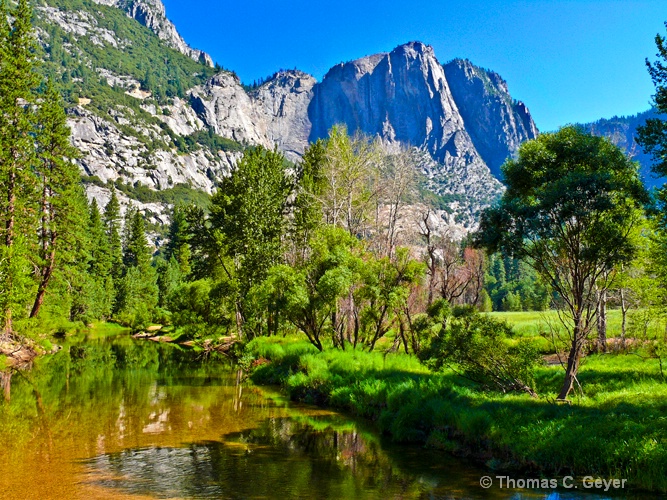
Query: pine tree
point(17, 182)
point(137, 291)
point(100, 264)
point(60, 215)
point(169, 278)
point(113, 229)
point(136, 252)
point(178, 241)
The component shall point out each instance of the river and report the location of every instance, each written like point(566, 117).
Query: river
point(114, 417)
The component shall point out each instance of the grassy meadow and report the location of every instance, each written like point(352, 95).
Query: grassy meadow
point(615, 428)
point(538, 326)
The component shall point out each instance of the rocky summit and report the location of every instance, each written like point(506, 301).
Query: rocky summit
point(152, 15)
point(151, 115)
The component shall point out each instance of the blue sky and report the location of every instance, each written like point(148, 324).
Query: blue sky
point(569, 61)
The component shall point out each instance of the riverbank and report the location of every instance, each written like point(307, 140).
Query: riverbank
point(617, 430)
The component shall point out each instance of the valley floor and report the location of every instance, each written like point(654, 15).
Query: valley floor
point(615, 428)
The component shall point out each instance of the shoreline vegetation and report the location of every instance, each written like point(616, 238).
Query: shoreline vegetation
point(615, 431)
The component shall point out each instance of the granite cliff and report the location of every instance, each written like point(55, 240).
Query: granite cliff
point(156, 121)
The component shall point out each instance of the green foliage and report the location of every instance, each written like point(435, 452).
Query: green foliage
point(653, 135)
point(178, 244)
point(308, 209)
point(308, 296)
point(62, 209)
point(137, 291)
point(112, 224)
point(136, 252)
point(182, 194)
point(571, 202)
point(198, 310)
point(247, 212)
point(140, 54)
point(384, 293)
point(18, 84)
point(513, 285)
point(477, 346)
point(351, 167)
point(241, 238)
point(209, 139)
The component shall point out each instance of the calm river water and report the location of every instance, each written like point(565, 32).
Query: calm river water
point(118, 418)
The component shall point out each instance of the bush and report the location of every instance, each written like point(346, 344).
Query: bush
point(477, 347)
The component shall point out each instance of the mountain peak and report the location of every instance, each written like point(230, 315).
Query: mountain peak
point(497, 123)
point(153, 15)
point(415, 49)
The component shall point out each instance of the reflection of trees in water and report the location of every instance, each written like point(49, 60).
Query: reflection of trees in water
point(109, 388)
point(281, 459)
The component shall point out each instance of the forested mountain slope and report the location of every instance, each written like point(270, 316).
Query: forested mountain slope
point(151, 115)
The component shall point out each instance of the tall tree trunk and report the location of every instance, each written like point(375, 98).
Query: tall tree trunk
point(44, 283)
point(239, 320)
point(11, 208)
point(624, 317)
point(9, 241)
point(573, 360)
point(602, 321)
point(48, 245)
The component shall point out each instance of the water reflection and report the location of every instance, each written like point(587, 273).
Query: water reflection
point(292, 457)
point(118, 418)
point(283, 458)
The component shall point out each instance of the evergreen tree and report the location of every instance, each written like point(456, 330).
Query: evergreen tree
point(18, 81)
point(60, 215)
point(100, 269)
point(169, 278)
point(113, 227)
point(137, 291)
point(69, 287)
point(178, 240)
point(653, 135)
point(136, 252)
point(100, 263)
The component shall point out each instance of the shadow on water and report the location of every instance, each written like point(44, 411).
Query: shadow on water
point(118, 418)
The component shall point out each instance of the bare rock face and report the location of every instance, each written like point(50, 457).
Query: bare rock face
point(152, 14)
point(283, 103)
point(404, 97)
point(275, 114)
point(401, 96)
point(223, 105)
point(496, 123)
point(110, 154)
point(457, 120)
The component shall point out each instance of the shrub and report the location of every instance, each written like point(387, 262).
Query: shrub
point(476, 347)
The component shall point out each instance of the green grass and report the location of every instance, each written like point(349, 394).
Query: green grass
point(537, 326)
point(534, 323)
point(617, 429)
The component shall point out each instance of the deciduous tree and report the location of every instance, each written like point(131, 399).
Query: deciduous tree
point(571, 203)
